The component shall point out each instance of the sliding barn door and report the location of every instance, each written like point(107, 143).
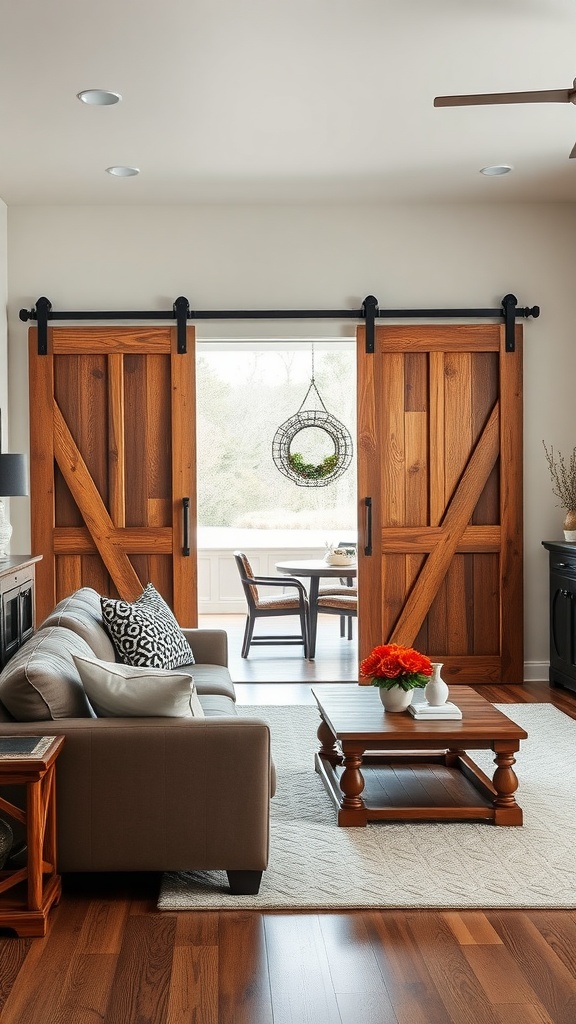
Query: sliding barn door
point(112, 467)
point(440, 497)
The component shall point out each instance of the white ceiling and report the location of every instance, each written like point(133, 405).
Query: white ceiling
point(282, 101)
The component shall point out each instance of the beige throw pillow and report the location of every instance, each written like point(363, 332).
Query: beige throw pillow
point(129, 691)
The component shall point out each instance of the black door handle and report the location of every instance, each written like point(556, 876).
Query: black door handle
point(186, 525)
point(368, 547)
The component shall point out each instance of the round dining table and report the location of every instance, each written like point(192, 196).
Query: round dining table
point(315, 569)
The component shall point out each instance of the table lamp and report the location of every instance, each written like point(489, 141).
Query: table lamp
point(13, 483)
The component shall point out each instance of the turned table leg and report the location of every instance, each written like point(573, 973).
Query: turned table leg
point(352, 808)
point(505, 782)
point(328, 748)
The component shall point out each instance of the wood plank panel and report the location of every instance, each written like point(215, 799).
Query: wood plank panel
point(370, 594)
point(393, 576)
point(67, 512)
point(92, 419)
point(68, 574)
point(301, 985)
point(105, 340)
point(416, 539)
point(116, 440)
point(437, 439)
point(142, 980)
point(245, 990)
point(416, 469)
point(136, 416)
point(42, 474)
point(392, 431)
point(183, 390)
point(457, 515)
point(511, 518)
point(437, 617)
point(471, 928)
point(485, 384)
point(404, 965)
point(414, 565)
point(462, 994)
point(486, 604)
point(438, 338)
point(133, 540)
point(550, 979)
point(457, 419)
point(459, 641)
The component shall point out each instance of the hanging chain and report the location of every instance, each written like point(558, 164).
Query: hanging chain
point(313, 387)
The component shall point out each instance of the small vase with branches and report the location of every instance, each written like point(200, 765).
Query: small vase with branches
point(563, 476)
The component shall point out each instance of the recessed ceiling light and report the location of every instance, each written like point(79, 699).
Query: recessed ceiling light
point(496, 169)
point(99, 97)
point(123, 172)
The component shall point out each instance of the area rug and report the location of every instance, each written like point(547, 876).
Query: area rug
point(314, 865)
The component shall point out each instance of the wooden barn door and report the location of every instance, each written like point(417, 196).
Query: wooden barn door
point(112, 444)
point(440, 458)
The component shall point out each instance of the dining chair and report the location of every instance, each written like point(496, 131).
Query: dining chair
point(345, 588)
point(267, 607)
point(343, 604)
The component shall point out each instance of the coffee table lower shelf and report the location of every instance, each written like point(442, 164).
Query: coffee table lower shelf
point(427, 786)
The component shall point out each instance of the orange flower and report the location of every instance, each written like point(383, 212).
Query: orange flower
point(391, 663)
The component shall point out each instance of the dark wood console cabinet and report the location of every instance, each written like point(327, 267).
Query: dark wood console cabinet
point(17, 603)
point(562, 613)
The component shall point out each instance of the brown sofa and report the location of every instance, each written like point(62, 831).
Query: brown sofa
point(144, 794)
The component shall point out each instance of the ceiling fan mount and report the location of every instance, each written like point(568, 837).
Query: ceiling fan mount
point(490, 98)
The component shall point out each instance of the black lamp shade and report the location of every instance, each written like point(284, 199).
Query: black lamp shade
point(13, 476)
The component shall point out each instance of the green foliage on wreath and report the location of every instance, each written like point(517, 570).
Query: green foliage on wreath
point(308, 470)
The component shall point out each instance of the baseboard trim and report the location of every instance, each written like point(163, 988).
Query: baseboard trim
point(536, 671)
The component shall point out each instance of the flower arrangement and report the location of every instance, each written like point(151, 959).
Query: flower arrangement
point(392, 665)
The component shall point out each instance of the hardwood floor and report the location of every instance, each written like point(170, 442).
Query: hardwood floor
point(110, 956)
point(336, 657)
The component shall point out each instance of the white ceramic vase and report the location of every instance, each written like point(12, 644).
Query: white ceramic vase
point(436, 690)
point(395, 699)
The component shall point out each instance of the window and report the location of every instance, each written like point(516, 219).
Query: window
point(245, 390)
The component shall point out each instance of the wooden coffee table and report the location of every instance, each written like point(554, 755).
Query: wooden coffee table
point(381, 766)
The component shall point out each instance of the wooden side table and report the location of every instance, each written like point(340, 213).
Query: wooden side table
point(28, 893)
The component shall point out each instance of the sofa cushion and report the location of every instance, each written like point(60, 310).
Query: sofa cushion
point(146, 633)
point(215, 705)
point(81, 612)
point(41, 681)
point(212, 679)
point(127, 691)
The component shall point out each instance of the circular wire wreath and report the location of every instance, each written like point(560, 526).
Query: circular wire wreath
point(292, 464)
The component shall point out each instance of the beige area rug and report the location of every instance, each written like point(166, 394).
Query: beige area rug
point(314, 865)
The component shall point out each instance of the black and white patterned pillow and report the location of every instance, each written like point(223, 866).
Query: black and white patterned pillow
point(146, 632)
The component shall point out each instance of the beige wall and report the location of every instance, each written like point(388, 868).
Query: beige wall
point(3, 323)
point(323, 257)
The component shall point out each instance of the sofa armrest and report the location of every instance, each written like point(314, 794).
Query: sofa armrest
point(160, 794)
point(209, 646)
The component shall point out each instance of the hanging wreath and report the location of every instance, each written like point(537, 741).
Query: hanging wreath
point(291, 462)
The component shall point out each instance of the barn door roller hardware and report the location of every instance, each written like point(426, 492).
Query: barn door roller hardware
point(508, 311)
point(42, 312)
point(370, 311)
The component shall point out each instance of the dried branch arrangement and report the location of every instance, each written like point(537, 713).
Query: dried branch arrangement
point(563, 477)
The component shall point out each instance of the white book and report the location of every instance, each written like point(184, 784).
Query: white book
point(429, 712)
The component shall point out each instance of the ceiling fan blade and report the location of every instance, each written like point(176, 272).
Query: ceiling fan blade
point(573, 153)
point(547, 96)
